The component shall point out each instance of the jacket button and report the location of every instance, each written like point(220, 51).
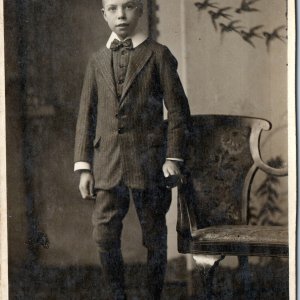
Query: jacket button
point(117, 115)
point(121, 130)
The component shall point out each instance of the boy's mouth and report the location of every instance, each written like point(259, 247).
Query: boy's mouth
point(122, 25)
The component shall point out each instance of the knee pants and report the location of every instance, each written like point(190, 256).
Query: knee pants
point(111, 207)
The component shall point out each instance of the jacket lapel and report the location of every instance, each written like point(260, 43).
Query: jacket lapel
point(138, 59)
point(106, 68)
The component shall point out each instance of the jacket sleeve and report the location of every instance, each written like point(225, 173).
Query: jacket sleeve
point(86, 122)
point(177, 105)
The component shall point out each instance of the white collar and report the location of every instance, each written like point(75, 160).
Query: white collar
point(137, 39)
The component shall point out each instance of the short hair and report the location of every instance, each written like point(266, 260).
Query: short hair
point(140, 2)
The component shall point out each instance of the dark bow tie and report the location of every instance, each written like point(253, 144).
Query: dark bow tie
point(116, 45)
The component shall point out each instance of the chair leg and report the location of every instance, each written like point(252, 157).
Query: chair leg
point(245, 276)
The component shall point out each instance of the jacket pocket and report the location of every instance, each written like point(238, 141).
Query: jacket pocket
point(96, 142)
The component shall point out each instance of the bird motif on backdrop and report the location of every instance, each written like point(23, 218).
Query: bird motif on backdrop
point(273, 36)
point(247, 36)
point(246, 6)
point(230, 27)
point(233, 26)
point(218, 14)
point(205, 4)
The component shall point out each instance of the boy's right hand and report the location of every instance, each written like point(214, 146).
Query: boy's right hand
point(86, 185)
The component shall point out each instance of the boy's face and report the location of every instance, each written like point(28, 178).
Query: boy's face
point(122, 16)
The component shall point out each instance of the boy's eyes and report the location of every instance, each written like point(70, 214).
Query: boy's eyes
point(130, 6)
point(112, 8)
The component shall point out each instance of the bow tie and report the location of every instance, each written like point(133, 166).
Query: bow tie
point(116, 45)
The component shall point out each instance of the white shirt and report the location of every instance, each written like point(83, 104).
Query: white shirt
point(137, 39)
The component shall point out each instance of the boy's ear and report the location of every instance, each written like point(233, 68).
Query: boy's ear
point(103, 13)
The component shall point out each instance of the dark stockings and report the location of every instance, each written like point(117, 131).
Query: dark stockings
point(156, 268)
point(113, 270)
point(111, 263)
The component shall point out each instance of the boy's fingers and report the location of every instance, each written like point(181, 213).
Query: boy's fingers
point(91, 186)
point(166, 172)
point(83, 191)
point(176, 170)
point(171, 171)
point(86, 185)
point(84, 194)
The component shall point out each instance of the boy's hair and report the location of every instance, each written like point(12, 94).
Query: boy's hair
point(139, 2)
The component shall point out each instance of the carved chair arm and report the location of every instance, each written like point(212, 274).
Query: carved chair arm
point(254, 148)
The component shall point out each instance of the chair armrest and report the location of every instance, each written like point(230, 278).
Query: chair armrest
point(254, 148)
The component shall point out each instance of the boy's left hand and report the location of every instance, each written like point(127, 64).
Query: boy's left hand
point(170, 167)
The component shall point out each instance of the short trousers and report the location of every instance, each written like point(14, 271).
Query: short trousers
point(111, 207)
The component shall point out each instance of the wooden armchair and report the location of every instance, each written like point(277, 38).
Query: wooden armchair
point(213, 202)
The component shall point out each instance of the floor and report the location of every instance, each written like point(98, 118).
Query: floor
point(77, 283)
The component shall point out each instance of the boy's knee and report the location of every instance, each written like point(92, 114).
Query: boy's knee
point(106, 238)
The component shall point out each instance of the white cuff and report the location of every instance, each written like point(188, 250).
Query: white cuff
point(81, 165)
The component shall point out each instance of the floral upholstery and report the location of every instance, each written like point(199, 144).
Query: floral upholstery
point(210, 201)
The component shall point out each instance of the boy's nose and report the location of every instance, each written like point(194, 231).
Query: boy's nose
point(121, 13)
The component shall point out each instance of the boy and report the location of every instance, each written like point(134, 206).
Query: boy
point(120, 145)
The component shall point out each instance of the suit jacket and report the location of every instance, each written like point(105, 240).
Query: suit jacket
point(123, 138)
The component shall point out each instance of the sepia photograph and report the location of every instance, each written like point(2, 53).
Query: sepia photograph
point(148, 150)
